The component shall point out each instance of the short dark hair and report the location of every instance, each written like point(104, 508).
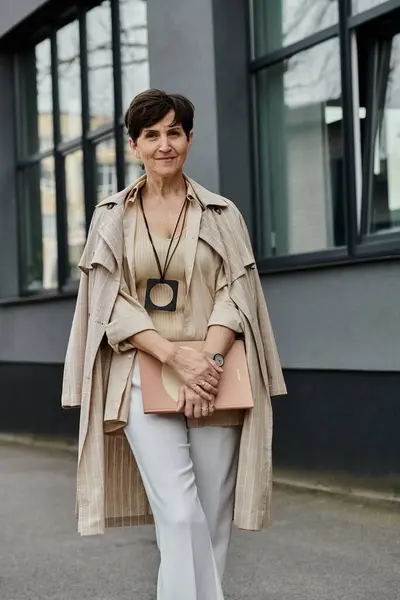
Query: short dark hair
point(149, 107)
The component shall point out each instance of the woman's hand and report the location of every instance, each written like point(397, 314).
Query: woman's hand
point(197, 372)
point(193, 404)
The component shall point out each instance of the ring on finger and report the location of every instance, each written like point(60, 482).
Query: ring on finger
point(204, 409)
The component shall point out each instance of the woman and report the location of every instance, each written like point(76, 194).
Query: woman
point(166, 260)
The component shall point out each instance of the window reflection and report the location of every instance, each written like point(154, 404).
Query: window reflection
point(44, 95)
point(278, 23)
point(33, 70)
point(106, 172)
point(361, 5)
point(69, 81)
point(134, 48)
point(40, 226)
point(384, 211)
point(100, 65)
point(75, 210)
point(300, 129)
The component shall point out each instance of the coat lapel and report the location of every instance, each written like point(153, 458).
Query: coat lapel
point(192, 234)
point(109, 251)
point(217, 230)
point(129, 222)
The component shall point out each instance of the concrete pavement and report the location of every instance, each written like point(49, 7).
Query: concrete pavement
point(319, 548)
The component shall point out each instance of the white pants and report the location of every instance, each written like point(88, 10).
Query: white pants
point(190, 477)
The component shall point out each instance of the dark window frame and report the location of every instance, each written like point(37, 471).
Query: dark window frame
point(86, 142)
point(359, 248)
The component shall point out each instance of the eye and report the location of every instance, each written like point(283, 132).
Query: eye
point(150, 134)
point(175, 133)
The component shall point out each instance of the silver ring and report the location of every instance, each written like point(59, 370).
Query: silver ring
point(204, 409)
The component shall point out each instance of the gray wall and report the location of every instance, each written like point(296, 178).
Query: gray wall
point(233, 107)
point(339, 318)
point(200, 49)
point(36, 332)
point(14, 11)
point(181, 56)
point(344, 318)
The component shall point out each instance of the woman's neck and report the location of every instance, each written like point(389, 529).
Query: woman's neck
point(164, 188)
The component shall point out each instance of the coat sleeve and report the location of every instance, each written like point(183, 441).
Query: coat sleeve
point(277, 386)
point(127, 319)
point(76, 349)
point(225, 312)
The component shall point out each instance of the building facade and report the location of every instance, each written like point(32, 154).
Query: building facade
point(297, 121)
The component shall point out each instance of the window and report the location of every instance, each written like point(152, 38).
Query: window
point(39, 239)
point(100, 65)
point(73, 88)
point(300, 141)
point(134, 49)
point(106, 171)
point(75, 198)
point(380, 134)
point(69, 81)
point(326, 84)
point(283, 22)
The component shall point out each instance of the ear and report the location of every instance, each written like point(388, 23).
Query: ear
point(190, 140)
point(134, 148)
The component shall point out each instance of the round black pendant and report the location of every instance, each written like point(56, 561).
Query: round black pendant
point(171, 284)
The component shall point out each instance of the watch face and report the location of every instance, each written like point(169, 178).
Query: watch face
point(219, 359)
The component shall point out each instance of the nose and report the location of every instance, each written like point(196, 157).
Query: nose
point(164, 144)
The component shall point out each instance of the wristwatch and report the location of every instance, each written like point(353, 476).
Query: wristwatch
point(219, 358)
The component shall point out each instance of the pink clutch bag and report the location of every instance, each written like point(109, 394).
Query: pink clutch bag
point(161, 385)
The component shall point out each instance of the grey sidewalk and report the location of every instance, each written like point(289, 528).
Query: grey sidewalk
point(384, 491)
point(319, 548)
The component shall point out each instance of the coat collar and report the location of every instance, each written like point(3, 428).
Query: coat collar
point(110, 213)
point(205, 197)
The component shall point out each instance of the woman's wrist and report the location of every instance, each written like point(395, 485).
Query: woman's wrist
point(174, 357)
point(219, 340)
point(153, 343)
point(167, 353)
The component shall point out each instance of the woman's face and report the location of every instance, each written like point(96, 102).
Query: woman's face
point(163, 147)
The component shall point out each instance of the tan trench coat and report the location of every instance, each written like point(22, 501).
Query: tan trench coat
point(109, 488)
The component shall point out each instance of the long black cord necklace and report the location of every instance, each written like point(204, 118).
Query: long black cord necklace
point(171, 283)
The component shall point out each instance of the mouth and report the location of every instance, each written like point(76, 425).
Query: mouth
point(166, 158)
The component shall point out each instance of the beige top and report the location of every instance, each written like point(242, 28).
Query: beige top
point(203, 301)
point(169, 324)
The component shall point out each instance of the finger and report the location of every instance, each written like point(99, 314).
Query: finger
point(200, 392)
point(213, 381)
point(181, 400)
point(207, 387)
point(215, 366)
point(205, 410)
point(197, 411)
point(196, 399)
point(188, 409)
point(211, 409)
